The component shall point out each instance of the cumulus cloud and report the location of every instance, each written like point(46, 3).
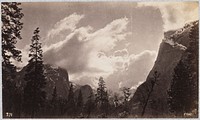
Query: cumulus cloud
point(136, 71)
point(128, 71)
point(105, 39)
point(68, 23)
point(175, 14)
point(70, 55)
point(79, 51)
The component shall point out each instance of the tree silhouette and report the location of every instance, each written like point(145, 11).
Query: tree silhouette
point(102, 96)
point(34, 94)
point(126, 92)
point(11, 16)
point(183, 92)
point(116, 100)
point(11, 26)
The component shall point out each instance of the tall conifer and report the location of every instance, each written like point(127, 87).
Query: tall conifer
point(34, 94)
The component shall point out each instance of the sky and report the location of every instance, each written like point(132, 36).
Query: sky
point(116, 40)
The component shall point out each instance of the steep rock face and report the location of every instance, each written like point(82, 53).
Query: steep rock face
point(86, 91)
point(56, 77)
point(170, 53)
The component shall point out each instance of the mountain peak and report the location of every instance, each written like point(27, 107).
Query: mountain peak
point(173, 37)
point(171, 51)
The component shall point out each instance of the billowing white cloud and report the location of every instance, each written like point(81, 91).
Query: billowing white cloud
point(68, 23)
point(79, 51)
point(128, 71)
point(105, 39)
point(134, 72)
point(175, 14)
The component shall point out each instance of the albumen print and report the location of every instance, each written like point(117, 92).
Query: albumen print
point(110, 59)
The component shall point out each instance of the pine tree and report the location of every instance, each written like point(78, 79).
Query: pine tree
point(102, 96)
point(11, 26)
point(183, 92)
point(126, 92)
point(34, 94)
point(116, 100)
point(11, 16)
point(106, 105)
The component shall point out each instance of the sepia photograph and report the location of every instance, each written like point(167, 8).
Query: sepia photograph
point(100, 59)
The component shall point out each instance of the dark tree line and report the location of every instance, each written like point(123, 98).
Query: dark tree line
point(96, 105)
point(183, 93)
point(108, 105)
point(32, 94)
point(11, 16)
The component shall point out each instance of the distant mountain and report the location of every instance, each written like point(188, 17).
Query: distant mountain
point(170, 53)
point(56, 77)
point(86, 91)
